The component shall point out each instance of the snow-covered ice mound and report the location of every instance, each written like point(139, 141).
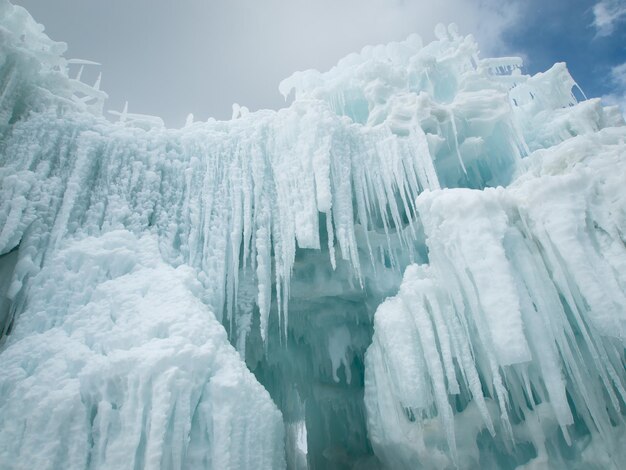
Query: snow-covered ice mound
point(462, 220)
point(115, 363)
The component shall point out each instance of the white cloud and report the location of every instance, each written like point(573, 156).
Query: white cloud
point(618, 97)
point(169, 57)
point(616, 100)
point(291, 35)
point(618, 75)
point(607, 14)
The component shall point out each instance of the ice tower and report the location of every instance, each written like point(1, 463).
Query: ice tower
point(419, 263)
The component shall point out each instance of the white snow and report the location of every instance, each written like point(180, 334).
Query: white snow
point(115, 363)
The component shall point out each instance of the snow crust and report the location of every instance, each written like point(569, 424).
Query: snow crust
point(488, 205)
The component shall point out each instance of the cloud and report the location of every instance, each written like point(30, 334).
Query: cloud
point(618, 79)
point(170, 58)
point(614, 99)
point(618, 75)
point(607, 14)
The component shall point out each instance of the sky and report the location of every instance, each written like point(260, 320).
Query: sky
point(174, 57)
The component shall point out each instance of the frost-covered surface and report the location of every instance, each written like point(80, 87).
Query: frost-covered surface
point(514, 332)
point(125, 245)
point(115, 363)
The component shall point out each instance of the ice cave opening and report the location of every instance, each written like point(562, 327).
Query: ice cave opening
point(314, 367)
point(419, 263)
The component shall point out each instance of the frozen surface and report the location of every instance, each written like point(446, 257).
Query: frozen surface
point(510, 342)
point(115, 363)
point(486, 205)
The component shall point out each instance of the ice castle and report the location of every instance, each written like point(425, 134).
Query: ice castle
point(419, 263)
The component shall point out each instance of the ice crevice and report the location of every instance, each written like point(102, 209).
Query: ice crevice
point(419, 263)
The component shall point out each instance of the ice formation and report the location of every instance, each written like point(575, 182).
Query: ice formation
point(204, 297)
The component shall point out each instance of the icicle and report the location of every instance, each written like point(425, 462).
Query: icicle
point(263, 272)
point(96, 86)
point(331, 239)
point(456, 140)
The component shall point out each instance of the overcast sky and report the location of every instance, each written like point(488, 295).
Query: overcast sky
point(173, 57)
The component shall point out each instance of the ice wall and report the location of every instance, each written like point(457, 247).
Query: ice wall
point(508, 346)
point(110, 358)
point(124, 245)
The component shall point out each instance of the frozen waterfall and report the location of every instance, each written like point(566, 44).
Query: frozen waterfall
point(419, 263)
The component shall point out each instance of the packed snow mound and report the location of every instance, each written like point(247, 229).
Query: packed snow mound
point(116, 363)
point(127, 250)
